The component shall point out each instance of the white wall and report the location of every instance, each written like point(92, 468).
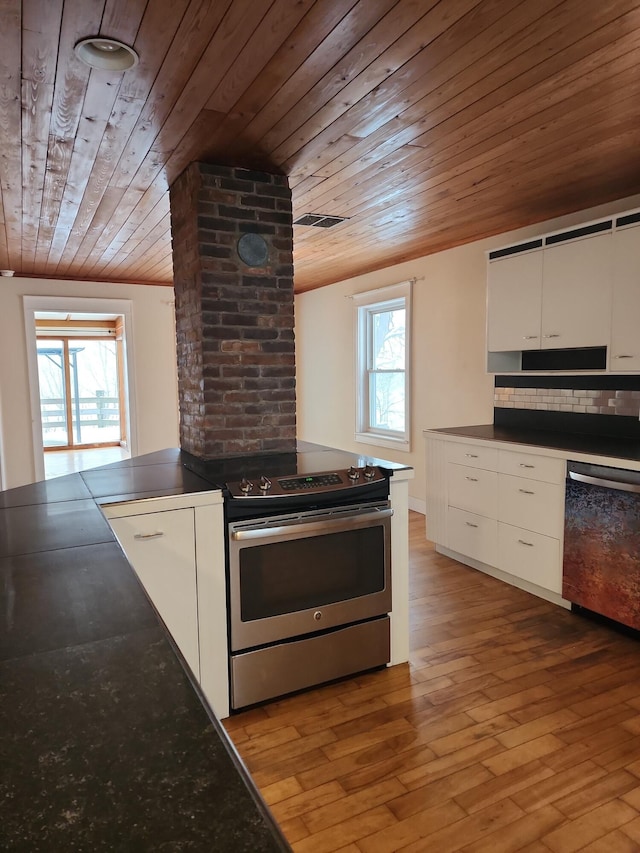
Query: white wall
point(450, 386)
point(154, 354)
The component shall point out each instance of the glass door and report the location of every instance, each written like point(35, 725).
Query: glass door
point(80, 392)
point(53, 393)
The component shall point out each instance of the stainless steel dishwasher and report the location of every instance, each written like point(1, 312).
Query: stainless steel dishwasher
point(601, 565)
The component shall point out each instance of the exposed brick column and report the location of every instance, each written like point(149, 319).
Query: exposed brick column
point(234, 322)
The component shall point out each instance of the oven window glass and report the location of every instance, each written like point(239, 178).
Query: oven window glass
point(285, 577)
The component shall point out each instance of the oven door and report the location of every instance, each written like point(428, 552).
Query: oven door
point(297, 574)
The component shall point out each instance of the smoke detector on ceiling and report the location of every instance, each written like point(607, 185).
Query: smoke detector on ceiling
point(319, 220)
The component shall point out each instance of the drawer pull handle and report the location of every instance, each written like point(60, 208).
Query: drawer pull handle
point(524, 465)
point(526, 492)
point(530, 337)
point(472, 479)
point(471, 455)
point(556, 335)
point(156, 535)
point(470, 524)
point(528, 544)
point(623, 356)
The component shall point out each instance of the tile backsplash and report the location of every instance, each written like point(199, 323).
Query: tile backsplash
point(578, 400)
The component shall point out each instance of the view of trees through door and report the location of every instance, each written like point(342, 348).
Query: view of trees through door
point(80, 373)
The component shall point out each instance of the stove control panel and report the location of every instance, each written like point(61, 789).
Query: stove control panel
point(325, 481)
point(314, 481)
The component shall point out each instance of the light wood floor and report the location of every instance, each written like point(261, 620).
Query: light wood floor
point(57, 463)
point(516, 726)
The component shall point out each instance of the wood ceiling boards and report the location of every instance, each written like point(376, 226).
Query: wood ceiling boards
point(428, 124)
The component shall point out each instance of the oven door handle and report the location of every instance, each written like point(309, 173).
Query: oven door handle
point(618, 485)
point(327, 524)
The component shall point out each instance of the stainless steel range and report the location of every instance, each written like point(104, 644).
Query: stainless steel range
point(309, 562)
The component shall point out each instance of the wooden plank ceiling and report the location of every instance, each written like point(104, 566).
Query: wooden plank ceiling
point(428, 124)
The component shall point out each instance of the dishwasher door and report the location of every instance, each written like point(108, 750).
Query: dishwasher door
point(601, 565)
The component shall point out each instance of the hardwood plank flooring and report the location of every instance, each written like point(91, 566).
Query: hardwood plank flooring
point(515, 726)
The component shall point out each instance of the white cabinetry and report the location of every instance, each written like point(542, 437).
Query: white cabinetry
point(161, 548)
point(559, 292)
point(576, 293)
point(530, 518)
point(176, 547)
point(515, 302)
point(625, 324)
point(498, 510)
point(473, 489)
point(475, 536)
point(531, 557)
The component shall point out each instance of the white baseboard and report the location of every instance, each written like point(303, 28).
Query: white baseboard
point(520, 583)
point(418, 506)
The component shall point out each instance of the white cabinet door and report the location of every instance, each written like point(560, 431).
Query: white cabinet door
point(625, 324)
point(514, 302)
point(473, 536)
point(473, 455)
point(533, 467)
point(473, 489)
point(530, 556)
point(531, 504)
point(576, 293)
point(161, 548)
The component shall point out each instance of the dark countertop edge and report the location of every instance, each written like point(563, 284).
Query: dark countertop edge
point(99, 501)
point(228, 744)
point(568, 443)
point(219, 729)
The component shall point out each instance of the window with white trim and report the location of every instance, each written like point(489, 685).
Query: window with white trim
point(382, 365)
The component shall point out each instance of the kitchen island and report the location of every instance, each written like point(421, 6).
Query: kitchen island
point(105, 741)
point(108, 741)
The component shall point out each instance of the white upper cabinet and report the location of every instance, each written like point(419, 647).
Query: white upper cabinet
point(515, 302)
point(576, 290)
point(576, 293)
point(625, 325)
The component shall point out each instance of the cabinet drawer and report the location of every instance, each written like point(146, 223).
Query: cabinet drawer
point(544, 468)
point(531, 504)
point(161, 548)
point(473, 535)
point(473, 455)
point(530, 556)
point(473, 489)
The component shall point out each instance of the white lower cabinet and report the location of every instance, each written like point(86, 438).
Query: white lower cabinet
point(473, 535)
point(161, 548)
point(531, 504)
point(473, 489)
point(547, 469)
point(175, 545)
point(530, 556)
point(503, 509)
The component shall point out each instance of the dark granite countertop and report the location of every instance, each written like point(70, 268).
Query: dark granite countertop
point(569, 443)
point(105, 743)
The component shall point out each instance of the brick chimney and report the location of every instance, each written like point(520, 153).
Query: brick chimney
point(233, 277)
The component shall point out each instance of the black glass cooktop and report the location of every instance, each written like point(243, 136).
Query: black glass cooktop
point(308, 459)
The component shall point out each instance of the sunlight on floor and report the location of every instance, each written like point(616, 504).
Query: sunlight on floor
point(61, 462)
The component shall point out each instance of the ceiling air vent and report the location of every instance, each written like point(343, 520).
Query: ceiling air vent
point(319, 220)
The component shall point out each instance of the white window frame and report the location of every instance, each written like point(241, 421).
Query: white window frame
point(366, 304)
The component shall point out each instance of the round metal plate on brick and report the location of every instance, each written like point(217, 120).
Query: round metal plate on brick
point(253, 250)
